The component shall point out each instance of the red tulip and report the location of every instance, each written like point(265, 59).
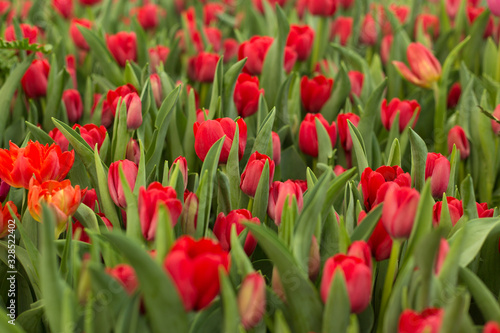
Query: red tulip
point(28, 31)
point(63, 7)
point(278, 194)
point(341, 29)
point(452, 7)
point(345, 135)
point(89, 2)
point(428, 321)
point(92, 134)
point(134, 110)
point(158, 55)
point(385, 48)
point(494, 125)
point(494, 7)
point(183, 169)
point(455, 208)
point(111, 103)
point(154, 80)
point(214, 37)
point(133, 151)
point(346, 4)
point(491, 326)
point(427, 23)
point(406, 109)
point(444, 248)
point(472, 15)
point(437, 167)
point(114, 181)
point(126, 276)
point(76, 35)
point(4, 190)
point(260, 7)
point(149, 203)
point(425, 68)
point(454, 95)
point(246, 95)
point(19, 165)
point(194, 269)
point(211, 11)
point(400, 208)
point(372, 181)
point(315, 92)
point(483, 211)
point(356, 78)
point(380, 243)
point(224, 224)
point(457, 137)
point(35, 79)
point(361, 250)
point(73, 103)
point(308, 137)
point(358, 280)
point(6, 216)
point(252, 300)
point(62, 198)
point(123, 47)
point(290, 58)
point(201, 68)
point(255, 50)
point(368, 35)
point(253, 171)
point(300, 39)
point(276, 148)
point(338, 170)
point(230, 46)
point(147, 16)
point(322, 7)
point(207, 133)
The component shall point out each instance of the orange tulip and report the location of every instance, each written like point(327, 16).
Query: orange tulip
point(424, 69)
point(62, 198)
point(19, 165)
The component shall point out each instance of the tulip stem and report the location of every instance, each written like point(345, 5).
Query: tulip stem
point(439, 119)
point(389, 280)
point(250, 205)
point(203, 95)
point(317, 42)
point(498, 65)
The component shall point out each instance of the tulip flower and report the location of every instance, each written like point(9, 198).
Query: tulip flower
point(380, 243)
point(230, 46)
point(428, 321)
point(454, 207)
point(256, 49)
point(113, 96)
point(457, 137)
point(247, 94)
point(62, 198)
point(133, 151)
point(223, 225)
point(454, 95)
point(358, 280)
point(147, 16)
point(342, 29)
point(76, 35)
point(308, 137)
point(35, 79)
point(211, 12)
point(4, 190)
point(114, 181)
point(183, 169)
point(134, 110)
point(315, 92)
point(494, 6)
point(452, 7)
point(260, 7)
point(126, 276)
point(356, 79)
point(338, 170)
point(361, 250)
point(89, 2)
point(253, 171)
point(278, 194)
point(400, 208)
point(189, 214)
point(428, 24)
point(6, 216)
point(406, 109)
point(194, 269)
point(210, 131)
point(368, 35)
point(63, 7)
point(123, 47)
point(491, 326)
point(78, 229)
point(154, 80)
point(201, 67)
point(495, 125)
point(28, 31)
point(92, 134)
point(344, 133)
point(372, 181)
point(19, 165)
point(150, 200)
point(444, 248)
point(158, 55)
point(437, 167)
point(473, 13)
point(385, 48)
point(300, 39)
point(322, 7)
point(252, 300)
point(424, 70)
point(276, 148)
point(483, 211)
point(73, 103)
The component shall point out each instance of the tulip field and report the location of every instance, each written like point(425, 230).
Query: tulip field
point(282, 166)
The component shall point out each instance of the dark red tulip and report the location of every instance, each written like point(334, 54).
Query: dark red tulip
point(315, 92)
point(201, 67)
point(342, 29)
point(223, 225)
point(406, 109)
point(35, 79)
point(322, 7)
point(123, 47)
point(247, 94)
point(308, 137)
point(345, 135)
point(73, 104)
point(300, 39)
point(253, 171)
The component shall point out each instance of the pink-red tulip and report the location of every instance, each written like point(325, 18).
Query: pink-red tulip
point(114, 181)
point(495, 125)
point(322, 7)
point(356, 79)
point(73, 103)
point(126, 276)
point(385, 48)
point(400, 208)
point(201, 67)
point(494, 7)
point(342, 29)
point(148, 16)
point(406, 110)
point(253, 171)
point(63, 7)
point(424, 69)
point(444, 248)
point(300, 39)
point(158, 55)
point(35, 79)
point(183, 168)
point(252, 300)
point(6, 216)
point(211, 11)
point(457, 137)
point(76, 35)
point(276, 148)
point(473, 13)
point(230, 46)
point(223, 225)
point(454, 207)
point(437, 167)
point(368, 35)
point(491, 326)
point(28, 31)
point(123, 47)
point(278, 194)
point(428, 24)
point(344, 133)
point(308, 137)
point(428, 321)
point(315, 92)
point(189, 214)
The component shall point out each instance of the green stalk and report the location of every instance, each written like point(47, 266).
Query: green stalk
point(498, 65)
point(203, 94)
point(389, 280)
point(439, 119)
point(250, 205)
point(317, 42)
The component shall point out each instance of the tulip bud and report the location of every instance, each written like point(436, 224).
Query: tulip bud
point(428, 320)
point(155, 81)
point(452, 7)
point(189, 214)
point(28, 31)
point(344, 133)
point(148, 16)
point(322, 7)
point(315, 92)
point(278, 194)
point(454, 95)
point(338, 170)
point(425, 68)
point(494, 125)
point(114, 181)
point(247, 94)
point(438, 168)
point(276, 148)
point(126, 276)
point(211, 12)
point(356, 78)
point(357, 276)
point(429, 24)
point(380, 243)
point(73, 103)
point(63, 7)
point(368, 35)
point(35, 79)
point(385, 48)
point(6, 216)
point(444, 248)
point(454, 207)
point(201, 68)
point(491, 326)
point(4, 190)
point(149, 203)
point(255, 51)
point(361, 250)
point(308, 137)
point(277, 286)
point(494, 6)
point(123, 47)
point(133, 151)
point(230, 46)
point(89, 2)
point(183, 168)
point(252, 300)
point(134, 110)
point(400, 208)
point(473, 14)
point(158, 55)
point(457, 137)
point(76, 35)
point(341, 29)
point(251, 175)
point(483, 211)
point(314, 262)
point(223, 225)
point(300, 39)
point(406, 109)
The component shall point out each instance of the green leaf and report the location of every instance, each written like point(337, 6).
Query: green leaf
point(340, 92)
point(359, 147)
point(238, 255)
point(365, 229)
point(304, 303)
point(233, 169)
point(456, 311)
point(484, 299)
point(165, 235)
point(230, 78)
point(216, 89)
point(158, 289)
point(395, 154)
point(468, 198)
point(418, 160)
point(338, 306)
point(324, 143)
point(7, 327)
point(133, 222)
point(38, 134)
point(455, 163)
point(263, 137)
point(260, 204)
point(55, 88)
point(229, 304)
